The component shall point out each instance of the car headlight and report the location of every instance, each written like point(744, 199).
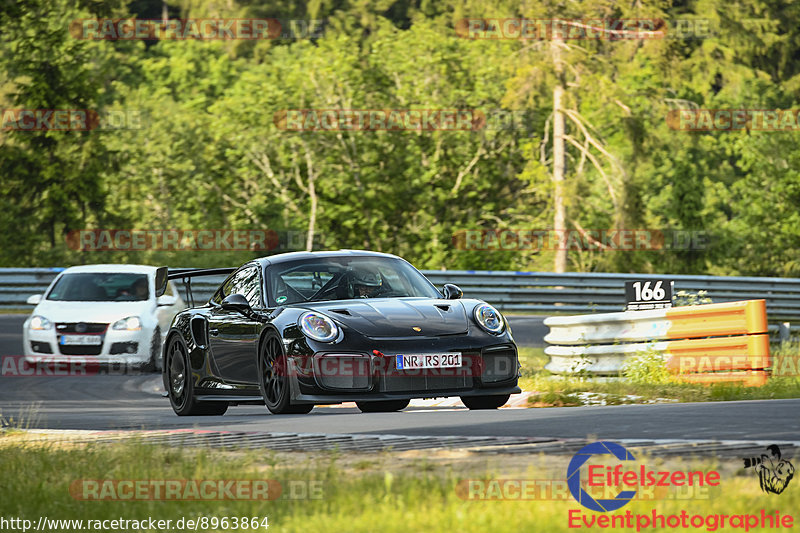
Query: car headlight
point(318, 327)
point(39, 322)
point(131, 323)
point(489, 318)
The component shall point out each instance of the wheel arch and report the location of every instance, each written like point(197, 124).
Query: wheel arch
point(268, 330)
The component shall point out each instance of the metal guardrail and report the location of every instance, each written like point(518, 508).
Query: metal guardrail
point(550, 293)
point(531, 292)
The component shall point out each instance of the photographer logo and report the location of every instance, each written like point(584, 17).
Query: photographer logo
point(774, 472)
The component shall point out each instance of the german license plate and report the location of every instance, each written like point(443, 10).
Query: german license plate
point(427, 360)
point(83, 340)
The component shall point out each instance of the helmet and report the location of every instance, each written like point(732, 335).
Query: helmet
point(366, 284)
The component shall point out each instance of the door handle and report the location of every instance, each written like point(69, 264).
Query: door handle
point(213, 332)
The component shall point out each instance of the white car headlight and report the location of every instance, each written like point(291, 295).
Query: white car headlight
point(489, 318)
point(131, 323)
point(318, 327)
point(39, 322)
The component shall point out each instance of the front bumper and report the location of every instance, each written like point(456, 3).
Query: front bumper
point(338, 375)
point(116, 347)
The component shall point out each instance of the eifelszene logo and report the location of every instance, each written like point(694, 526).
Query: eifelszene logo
point(639, 476)
point(774, 472)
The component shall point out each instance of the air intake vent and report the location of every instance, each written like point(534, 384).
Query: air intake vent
point(199, 327)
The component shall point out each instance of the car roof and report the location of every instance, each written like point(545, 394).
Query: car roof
point(111, 268)
point(296, 256)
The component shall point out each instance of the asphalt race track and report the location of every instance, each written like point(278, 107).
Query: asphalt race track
point(11, 334)
point(104, 402)
point(134, 402)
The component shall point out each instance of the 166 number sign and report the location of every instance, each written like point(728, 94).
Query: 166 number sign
point(648, 294)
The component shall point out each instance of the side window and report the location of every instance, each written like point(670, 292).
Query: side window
point(246, 282)
point(223, 291)
point(250, 287)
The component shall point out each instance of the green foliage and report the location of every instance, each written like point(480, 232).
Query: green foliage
point(209, 154)
point(645, 380)
point(786, 360)
point(647, 367)
point(682, 298)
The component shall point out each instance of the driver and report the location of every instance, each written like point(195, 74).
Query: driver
point(140, 289)
point(366, 284)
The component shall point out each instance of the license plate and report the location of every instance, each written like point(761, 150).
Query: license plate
point(70, 340)
point(427, 360)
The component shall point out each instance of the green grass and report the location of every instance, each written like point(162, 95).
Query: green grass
point(558, 391)
point(36, 481)
point(27, 418)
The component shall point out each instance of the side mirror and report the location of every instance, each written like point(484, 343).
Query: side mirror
point(452, 292)
point(161, 281)
point(35, 299)
point(238, 303)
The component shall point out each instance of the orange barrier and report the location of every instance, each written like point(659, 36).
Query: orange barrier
point(734, 318)
point(743, 352)
point(748, 379)
point(716, 359)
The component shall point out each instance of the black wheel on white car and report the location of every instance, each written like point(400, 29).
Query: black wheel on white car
point(156, 351)
point(153, 364)
point(485, 402)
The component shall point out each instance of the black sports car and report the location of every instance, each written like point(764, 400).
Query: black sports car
point(299, 329)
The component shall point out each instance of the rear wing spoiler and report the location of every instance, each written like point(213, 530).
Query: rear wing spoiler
point(164, 274)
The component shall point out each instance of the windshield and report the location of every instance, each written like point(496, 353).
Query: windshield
point(100, 287)
point(344, 278)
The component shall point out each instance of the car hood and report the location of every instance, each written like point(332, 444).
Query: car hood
point(102, 312)
point(396, 317)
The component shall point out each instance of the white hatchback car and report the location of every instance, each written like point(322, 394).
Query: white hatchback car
point(108, 314)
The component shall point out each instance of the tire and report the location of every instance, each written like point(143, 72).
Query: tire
point(179, 385)
point(273, 379)
point(485, 402)
point(383, 406)
point(155, 349)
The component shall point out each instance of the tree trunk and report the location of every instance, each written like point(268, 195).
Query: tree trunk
point(312, 217)
point(559, 161)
